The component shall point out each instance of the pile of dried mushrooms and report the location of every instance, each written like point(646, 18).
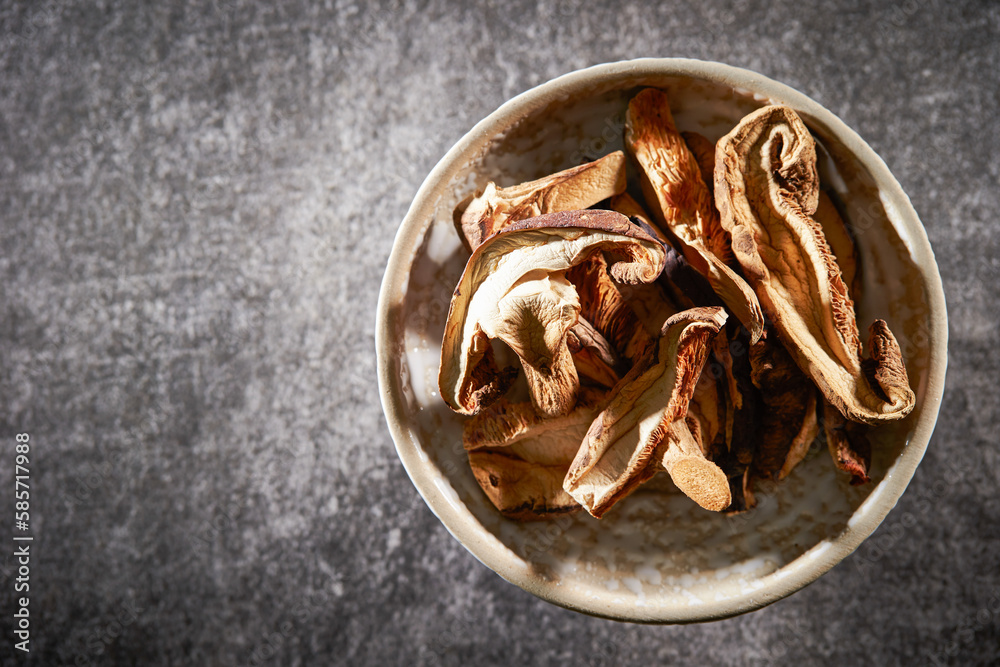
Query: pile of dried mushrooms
point(707, 331)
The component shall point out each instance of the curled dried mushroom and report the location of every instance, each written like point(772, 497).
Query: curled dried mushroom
point(767, 190)
point(514, 289)
point(649, 406)
point(682, 204)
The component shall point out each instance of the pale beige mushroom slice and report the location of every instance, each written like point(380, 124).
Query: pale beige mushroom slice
point(520, 457)
point(577, 188)
point(682, 205)
point(617, 453)
point(529, 258)
point(767, 190)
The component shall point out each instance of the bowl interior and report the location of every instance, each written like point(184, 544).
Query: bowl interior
point(656, 556)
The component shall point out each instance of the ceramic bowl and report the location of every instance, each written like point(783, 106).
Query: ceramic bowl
point(656, 557)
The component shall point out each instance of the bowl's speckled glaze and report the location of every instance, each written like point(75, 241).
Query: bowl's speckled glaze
point(656, 557)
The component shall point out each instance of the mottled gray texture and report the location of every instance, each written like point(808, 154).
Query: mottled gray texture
point(198, 204)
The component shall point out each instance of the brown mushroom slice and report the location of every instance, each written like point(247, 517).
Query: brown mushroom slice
point(788, 423)
point(616, 453)
point(530, 434)
point(522, 490)
point(686, 285)
point(682, 204)
point(841, 244)
point(520, 457)
point(741, 489)
point(703, 152)
point(848, 444)
point(730, 363)
point(652, 305)
point(767, 190)
point(533, 318)
point(708, 408)
point(576, 188)
point(530, 249)
point(593, 355)
point(731, 350)
point(605, 308)
point(627, 205)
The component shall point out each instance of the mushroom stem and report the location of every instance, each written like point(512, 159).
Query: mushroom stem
point(702, 481)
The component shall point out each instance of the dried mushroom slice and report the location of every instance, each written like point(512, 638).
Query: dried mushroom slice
point(703, 152)
point(767, 190)
point(841, 244)
point(522, 490)
point(533, 318)
point(572, 189)
point(619, 447)
point(682, 203)
point(593, 355)
point(525, 253)
point(788, 423)
point(520, 457)
point(731, 351)
point(530, 434)
point(604, 307)
point(848, 444)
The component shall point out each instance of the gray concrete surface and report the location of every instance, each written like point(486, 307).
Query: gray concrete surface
point(198, 201)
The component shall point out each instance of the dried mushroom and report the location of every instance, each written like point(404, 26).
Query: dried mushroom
point(767, 190)
point(703, 151)
point(605, 308)
point(513, 288)
point(593, 355)
point(682, 203)
point(841, 243)
point(788, 421)
point(568, 190)
point(649, 406)
point(520, 457)
point(848, 444)
point(684, 459)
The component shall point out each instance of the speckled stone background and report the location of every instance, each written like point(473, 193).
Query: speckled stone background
point(198, 201)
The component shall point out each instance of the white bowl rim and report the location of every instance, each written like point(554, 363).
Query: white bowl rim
point(792, 576)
